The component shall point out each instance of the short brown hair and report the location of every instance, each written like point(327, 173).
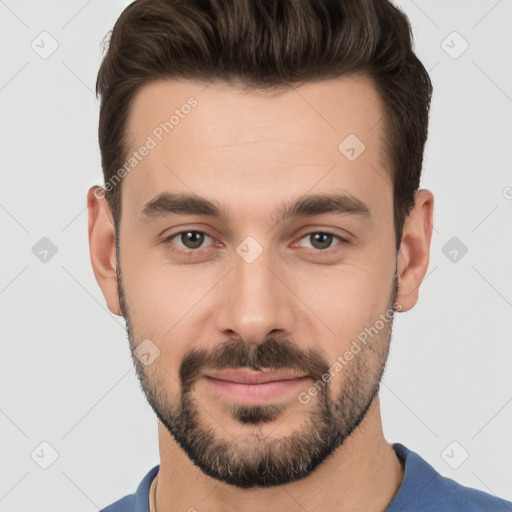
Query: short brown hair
point(269, 45)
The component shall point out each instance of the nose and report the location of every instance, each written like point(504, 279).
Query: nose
point(255, 301)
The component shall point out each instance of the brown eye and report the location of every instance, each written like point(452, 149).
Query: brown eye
point(321, 240)
point(192, 239)
point(189, 240)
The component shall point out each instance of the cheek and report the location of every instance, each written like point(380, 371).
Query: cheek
point(150, 292)
point(151, 283)
point(347, 299)
point(165, 303)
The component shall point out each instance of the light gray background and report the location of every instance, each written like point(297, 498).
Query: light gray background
point(65, 368)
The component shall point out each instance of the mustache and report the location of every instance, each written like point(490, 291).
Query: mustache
point(273, 353)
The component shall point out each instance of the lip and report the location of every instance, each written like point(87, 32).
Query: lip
point(244, 376)
point(252, 387)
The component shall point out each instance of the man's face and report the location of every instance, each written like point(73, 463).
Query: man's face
point(255, 289)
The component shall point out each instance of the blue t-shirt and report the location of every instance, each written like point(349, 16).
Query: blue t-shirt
point(423, 489)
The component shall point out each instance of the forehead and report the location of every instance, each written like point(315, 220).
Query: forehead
point(223, 141)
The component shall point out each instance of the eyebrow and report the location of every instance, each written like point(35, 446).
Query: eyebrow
point(168, 203)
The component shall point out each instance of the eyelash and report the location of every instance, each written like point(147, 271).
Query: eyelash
point(168, 242)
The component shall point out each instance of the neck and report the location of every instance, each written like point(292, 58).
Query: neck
point(363, 474)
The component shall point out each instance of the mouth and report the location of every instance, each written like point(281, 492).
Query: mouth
point(254, 387)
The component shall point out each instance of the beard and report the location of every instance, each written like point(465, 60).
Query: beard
point(258, 460)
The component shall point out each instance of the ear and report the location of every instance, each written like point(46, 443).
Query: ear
point(102, 246)
point(414, 253)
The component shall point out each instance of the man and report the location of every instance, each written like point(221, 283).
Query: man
point(260, 224)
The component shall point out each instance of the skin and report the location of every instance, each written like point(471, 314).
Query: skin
point(252, 153)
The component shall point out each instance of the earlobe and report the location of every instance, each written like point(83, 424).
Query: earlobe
point(414, 253)
point(102, 246)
